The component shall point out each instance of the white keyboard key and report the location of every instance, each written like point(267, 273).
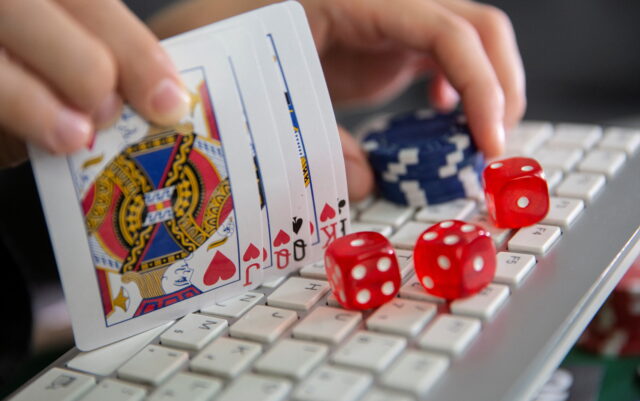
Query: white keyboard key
point(402, 316)
point(368, 350)
point(330, 383)
point(584, 186)
point(291, 358)
point(484, 304)
point(625, 139)
point(115, 390)
point(298, 293)
point(412, 289)
point(499, 235)
point(561, 158)
point(405, 261)
point(327, 324)
point(383, 229)
point(353, 214)
point(383, 395)
point(187, 386)
point(563, 211)
point(527, 137)
point(271, 284)
point(104, 361)
point(582, 136)
point(226, 357)
point(512, 267)
point(553, 177)
point(263, 323)
point(363, 204)
point(457, 209)
point(153, 365)
point(256, 387)
point(536, 239)
point(314, 270)
point(57, 385)
point(234, 307)
point(607, 162)
point(415, 372)
point(450, 334)
point(387, 213)
point(406, 236)
point(193, 331)
point(333, 301)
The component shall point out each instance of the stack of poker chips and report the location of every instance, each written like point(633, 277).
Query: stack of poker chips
point(423, 157)
point(615, 330)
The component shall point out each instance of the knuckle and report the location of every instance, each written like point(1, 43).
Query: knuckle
point(459, 26)
point(495, 21)
point(98, 78)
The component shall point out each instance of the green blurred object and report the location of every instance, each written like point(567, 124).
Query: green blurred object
point(619, 382)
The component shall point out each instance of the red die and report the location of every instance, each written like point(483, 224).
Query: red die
point(516, 192)
point(362, 269)
point(454, 259)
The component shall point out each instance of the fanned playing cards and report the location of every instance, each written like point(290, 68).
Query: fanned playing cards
point(150, 223)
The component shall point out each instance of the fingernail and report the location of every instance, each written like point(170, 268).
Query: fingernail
point(72, 131)
point(108, 111)
point(450, 95)
point(169, 102)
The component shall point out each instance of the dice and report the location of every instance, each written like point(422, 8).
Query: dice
point(454, 259)
point(516, 192)
point(362, 269)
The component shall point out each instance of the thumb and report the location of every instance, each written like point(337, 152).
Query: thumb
point(359, 173)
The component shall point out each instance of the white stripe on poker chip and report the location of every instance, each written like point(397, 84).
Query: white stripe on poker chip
point(447, 171)
point(461, 141)
point(397, 168)
point(409, 156)
point(409, 185)
point(424, 114)
point(389, 177)
point(369, 146)
point(470, 182)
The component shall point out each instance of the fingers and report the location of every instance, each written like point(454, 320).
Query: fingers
point(359, 174)
point(499, 40)
point(147, 78)
point(428, 27)
point(442, 94)
point(32, 112)
point(55, 47)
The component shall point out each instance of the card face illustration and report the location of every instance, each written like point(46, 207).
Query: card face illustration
point(152, 206)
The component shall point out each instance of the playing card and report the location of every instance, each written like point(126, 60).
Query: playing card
point(262, 132)
point(292, 150)
point(150, 223)
point(328, 118)
point(310, 131)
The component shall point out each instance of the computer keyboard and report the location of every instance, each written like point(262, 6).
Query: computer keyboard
point(290, 339)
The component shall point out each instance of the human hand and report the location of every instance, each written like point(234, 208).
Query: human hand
point(372, 49)
point(67, 65)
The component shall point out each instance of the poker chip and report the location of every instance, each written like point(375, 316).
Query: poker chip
point(423, 157)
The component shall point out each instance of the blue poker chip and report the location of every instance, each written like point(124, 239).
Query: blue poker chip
point(423, 157)
point(395, 171)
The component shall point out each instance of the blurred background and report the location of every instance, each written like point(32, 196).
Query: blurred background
point(582, 59)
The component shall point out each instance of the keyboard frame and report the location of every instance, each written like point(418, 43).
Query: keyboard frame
point(514, 354)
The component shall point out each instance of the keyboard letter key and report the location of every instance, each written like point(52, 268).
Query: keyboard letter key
point(536, 239)
point(57, 385)
point(415, 372)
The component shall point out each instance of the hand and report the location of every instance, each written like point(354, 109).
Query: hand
point(67, 65)
point(372, 49)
